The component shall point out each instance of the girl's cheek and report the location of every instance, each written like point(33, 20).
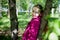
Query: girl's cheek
point(33, 14)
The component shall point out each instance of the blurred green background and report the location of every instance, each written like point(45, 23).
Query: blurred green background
point(23, 10)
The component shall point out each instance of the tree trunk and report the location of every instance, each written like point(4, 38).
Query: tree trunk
point(44, 21)
point(13, 19)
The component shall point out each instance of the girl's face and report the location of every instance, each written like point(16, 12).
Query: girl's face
point(35, 12)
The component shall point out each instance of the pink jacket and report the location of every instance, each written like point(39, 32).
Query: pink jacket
point(32, 29)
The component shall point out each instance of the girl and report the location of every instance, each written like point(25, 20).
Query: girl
point(33, 26)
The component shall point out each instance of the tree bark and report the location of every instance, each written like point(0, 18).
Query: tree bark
point(13, 19)
point(44, 21)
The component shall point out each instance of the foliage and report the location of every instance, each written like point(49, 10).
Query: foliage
point(4, 3)
point(55, 3)
point(23, 4)
point(42, 2)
